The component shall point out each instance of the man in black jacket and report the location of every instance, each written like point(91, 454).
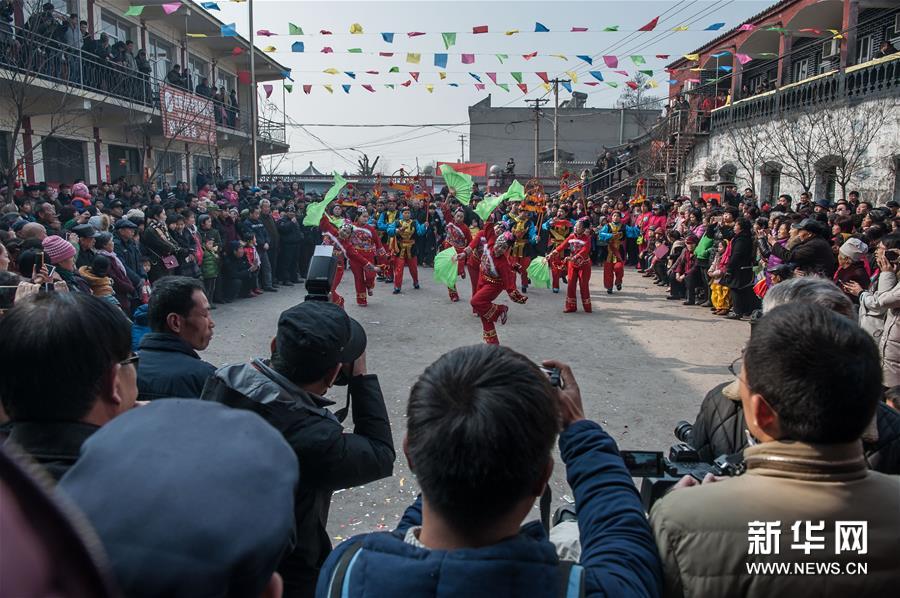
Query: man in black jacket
point(812, 253)
point(180, 325)
point(129, 253)
point(290, 239)
point(315, 343)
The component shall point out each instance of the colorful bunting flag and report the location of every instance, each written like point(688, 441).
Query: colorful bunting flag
point(394, 69)
point(492, 77)
point(611, 28)
point(501, 57)
point(479, 86)
point(650, 26)
point(346, 88)
point(270, 49)
point(171, 7)
point(591, 83)
point(612, 84)
point(529, 56)
point(523, 87)
point(228, 30)
point(371, 72)
point(811, 30)
point(415, 76)
point(540, 28)
point(747, 27)
point(297, 47)
point(440, 60)
point(268, 89)
point(504, 86)
point(715, 27)
point(587, 59)
point(652, 84)
point(596, 75)
point(623, 73)
point(327, 50)
point(415, 33)
point(725, 68)
point(354, 51)
point(453, 84)
point(429, 88)
point(390, 86)
point(573, 76)
point(265, 33)
point(543, 77)
point(288, 87)
point(517, 77)
point(468, 58)
point(134, 11)
point(476, 77)
point(663, 56)
point(442, 75)
point(196, 35)
point(722, 54)
point(413, 57)
point(611, 61)
point(210, 6)
point(406, 83)
point(331, 71)
point(449, 40)
point(692, 57)
point(560, 56)
point(356, 29)
point(546, 86)
point(388, 37)
point(368, 87)
point(294, 30)
point(385, 54)
point(647, 72)
point(324, 32)
point(480, 29)
point(308, 88)
point(579, 29)
point(512, 32)
point(638, 60)
point(567, 86)
point(350, 74)
point(631, 84)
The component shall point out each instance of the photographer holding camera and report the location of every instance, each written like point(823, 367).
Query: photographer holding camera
point(317, 345)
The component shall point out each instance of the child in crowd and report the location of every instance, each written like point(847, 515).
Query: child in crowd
point(253, 262)
point(237, 277)
point(210, 267)
point(97, 277)
point(720, 295)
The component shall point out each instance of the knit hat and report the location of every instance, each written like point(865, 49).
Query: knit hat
point(854, 249)
point(57, 249)
point(81, 190)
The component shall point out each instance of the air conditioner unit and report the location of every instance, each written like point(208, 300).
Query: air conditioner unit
point(831, 48)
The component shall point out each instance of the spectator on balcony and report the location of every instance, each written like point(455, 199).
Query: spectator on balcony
point(128, 55)
point(7, 16)
point(234, 109)
point(219, 110)
point(141, 63)
point(886, 49)
point(101, 48)
point(70, 32)
point(43, 23)
point(203, 88)
point(175, 78)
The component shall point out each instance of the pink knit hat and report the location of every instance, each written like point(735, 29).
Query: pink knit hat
point(57, 249)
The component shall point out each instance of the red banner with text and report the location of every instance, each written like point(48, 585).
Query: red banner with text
point(470, 168)
point(187, 116)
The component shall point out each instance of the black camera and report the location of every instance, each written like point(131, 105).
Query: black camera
point(660, 473)
point(320, 275)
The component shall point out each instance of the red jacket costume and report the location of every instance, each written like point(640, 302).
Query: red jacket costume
point(495, 276)
point(579, 269)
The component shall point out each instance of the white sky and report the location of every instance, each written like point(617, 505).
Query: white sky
point(414, 105)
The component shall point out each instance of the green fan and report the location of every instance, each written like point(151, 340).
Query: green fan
point(445, 268)
point(459, 182)
point(314, 211)
point(515, 193)
point(539, 272)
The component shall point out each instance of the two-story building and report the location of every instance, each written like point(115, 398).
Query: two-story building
point(799, 66)
point(72, 113)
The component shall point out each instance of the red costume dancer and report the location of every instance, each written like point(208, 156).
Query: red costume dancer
point(559, 228)
point(524, 233)
point(367, 243)
point(343, 251)
point(474, 252)
point(385, 219)
point(613, 234)
point(403, 233)
point(579, 243)
point(458, 237)
point(496, 276)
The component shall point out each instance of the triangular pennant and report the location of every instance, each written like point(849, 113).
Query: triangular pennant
point(725, 68)
point(265, 33)
point(415, 77)
point(546, 86)
point(210, 6)
point(611, 61)
point(327, 50)
point(308, 88)
point(413, 57)
point(294, 30)
point(715, 27)
point(596, 75)
point(368, 87)
point(560, 56)
point(662, 56)
point(573, 76)
point(346, 88)
point(385, 54)
point(354, 51)
point(591, 83)
point(406, 83)
point(512, 32)
point(742, 58)
point(453, 84)
point(429, 88)
point(468, 58)
point(171, 7)
point(517, 77)
point(631, 84)
point(134, 11)
point(587, 59)
point(540, 28)
point(479, 86)
point(650, 26)
point(196, 35)
point(297, 47)
point(356, 29)
point(529, 56)
point(647, 72)
point(228, 30)
point(567, 85)
point(449, 39)
point(501, 57)
point(636, 59)
point(543, 77)
point(681, 28)
point(692, 57)
point(371, 72)
point(611, 28)
point(440, 60)
point(270, 49)
point(492, 77)
point(390, 86)
point(722, 54)
point(480, 29)
point(476, 77)
point(331, 71)
point(288, 87)
point(442, 75)
point(388, 37)
point(268, 89)
point(415, 33)
point(652, 84)
point(394, 69)
point(324, 32)
point(523, 87)
point(747, 27)
point(350, 74)
point(612, 84)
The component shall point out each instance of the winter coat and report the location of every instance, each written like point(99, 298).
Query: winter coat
point(886, 301)
point(618, 557)
point(813, 255)
point(289, 232)
point(272, 231)
point(210, 266)
point(739, 271)
point(170, 368)
point(258, 228)
point(329, 458)
point(703, 533)
point(130, 255)
point(55, 445)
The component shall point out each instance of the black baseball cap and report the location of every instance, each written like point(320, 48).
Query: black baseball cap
point(124, 223)
point(319, 333)
point(85, 231)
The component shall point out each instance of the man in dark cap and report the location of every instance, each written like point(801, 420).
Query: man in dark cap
point(86, 238)
point(812, 253)
point(233, 517)
point(128, 251)
point(316, 343)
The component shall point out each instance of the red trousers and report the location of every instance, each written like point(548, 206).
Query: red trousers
point(399, 263)
point(556, 269)
point(473, 271)
point(338, 275)
point(611, 271)
point(364, 280)
point(483, 304)
point(523, 263)
point(460, 272)
point(581, 277)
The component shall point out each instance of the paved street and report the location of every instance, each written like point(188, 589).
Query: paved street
point(642, 362)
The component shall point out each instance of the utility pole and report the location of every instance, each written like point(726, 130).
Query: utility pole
point(254, 123)
point(556, 83)
point(462, 148)
point(536, 106)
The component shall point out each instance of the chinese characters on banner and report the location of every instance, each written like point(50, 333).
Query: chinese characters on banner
point(187, 117)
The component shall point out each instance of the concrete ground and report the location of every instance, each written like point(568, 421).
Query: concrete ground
point(642, 363)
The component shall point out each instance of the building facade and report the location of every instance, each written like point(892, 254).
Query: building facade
point(807, 98)
point(497, 134)
point(72, 115)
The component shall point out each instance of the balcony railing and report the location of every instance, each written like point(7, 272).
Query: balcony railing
point(26, 57)
point(870, 80)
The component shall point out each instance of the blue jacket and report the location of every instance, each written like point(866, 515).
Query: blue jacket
point(170, 368)
point(619, 554)
point(392, 227)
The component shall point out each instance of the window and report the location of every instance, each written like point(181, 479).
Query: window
point(124, 162)
point(225, 80)
point(162, 57)
point(65, 7)
point(204, 162)
point(199, 69)
point(230, 170)
point(63, 160)
point(864, 50)
point(801, 69)
point(117, 29)
point(168, 167)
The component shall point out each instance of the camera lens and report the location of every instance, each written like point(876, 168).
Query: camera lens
point(684, 431)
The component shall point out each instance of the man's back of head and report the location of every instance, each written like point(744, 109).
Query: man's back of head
point(817, 370)
point(60, 353)
point(481, 424)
